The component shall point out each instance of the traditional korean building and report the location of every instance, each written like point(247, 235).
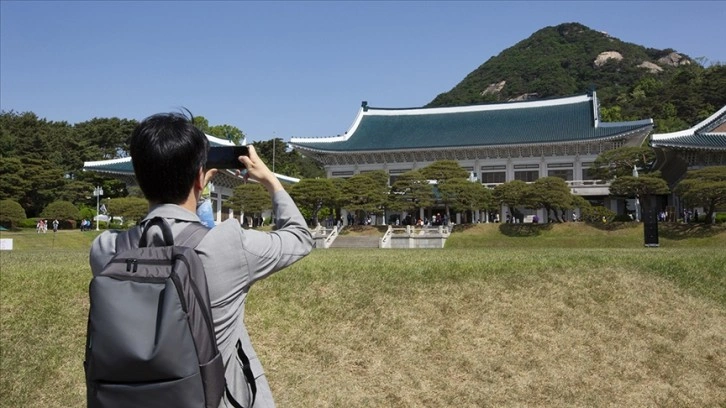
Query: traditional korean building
point(496, 143)
point(700, 146)
point(221, 185)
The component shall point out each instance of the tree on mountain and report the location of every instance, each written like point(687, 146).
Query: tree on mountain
point(704, 187)
point(560, 61)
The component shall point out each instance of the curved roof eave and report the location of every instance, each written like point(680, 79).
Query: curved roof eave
point(690, 147)
point(692, 130)
point(216, 141)
point(98, 165)
point(487, 107)
point(493, 146)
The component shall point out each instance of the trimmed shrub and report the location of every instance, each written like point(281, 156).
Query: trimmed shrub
point(61, 210)
point(598, 214)
point(12, 214)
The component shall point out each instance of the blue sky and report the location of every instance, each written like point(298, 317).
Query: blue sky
point(289, 69)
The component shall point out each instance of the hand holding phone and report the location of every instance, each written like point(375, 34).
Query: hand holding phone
point(226, 157)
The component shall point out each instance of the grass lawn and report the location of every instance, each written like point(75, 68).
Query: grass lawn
point(564, 316)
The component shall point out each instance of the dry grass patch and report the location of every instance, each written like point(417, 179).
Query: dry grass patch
point(565, 337)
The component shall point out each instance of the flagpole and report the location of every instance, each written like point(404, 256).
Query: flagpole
point(98, 192)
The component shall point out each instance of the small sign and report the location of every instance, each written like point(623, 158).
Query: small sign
point(6, 244)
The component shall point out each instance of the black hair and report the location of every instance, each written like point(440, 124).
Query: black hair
point(167, 151)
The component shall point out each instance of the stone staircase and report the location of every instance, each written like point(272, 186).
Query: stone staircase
point(352, 241)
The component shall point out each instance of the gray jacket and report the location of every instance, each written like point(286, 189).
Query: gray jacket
point(233, 260)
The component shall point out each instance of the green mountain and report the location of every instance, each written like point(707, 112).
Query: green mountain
point(632, 82)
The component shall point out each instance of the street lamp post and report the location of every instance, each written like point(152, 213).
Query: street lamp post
point(637, 199)
point(98, 192)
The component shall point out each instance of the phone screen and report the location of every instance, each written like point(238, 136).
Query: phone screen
point(226, 157)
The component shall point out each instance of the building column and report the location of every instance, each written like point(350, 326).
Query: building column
point(218, 212)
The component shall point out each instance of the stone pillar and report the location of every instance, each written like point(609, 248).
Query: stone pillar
point(218, 207)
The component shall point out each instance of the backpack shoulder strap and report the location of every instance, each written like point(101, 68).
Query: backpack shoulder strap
point(165, 231)
point(128, 239)
point(192, 235)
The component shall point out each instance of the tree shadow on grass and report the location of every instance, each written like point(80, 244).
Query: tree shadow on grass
point(678, 231)
point(462, 227)
point(523, 230)
point(614, 225)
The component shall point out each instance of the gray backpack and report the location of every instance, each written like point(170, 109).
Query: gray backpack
point(150, 339)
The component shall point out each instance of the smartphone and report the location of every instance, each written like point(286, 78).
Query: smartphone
point(226, 157)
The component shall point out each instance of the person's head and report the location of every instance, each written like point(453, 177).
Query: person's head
point(168, 152)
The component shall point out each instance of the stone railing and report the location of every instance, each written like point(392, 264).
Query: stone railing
point(324, 237)
point(331, 237)
point(386, 239)
point(415, 237)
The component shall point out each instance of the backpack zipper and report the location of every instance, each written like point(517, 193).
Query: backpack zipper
point(132, 265)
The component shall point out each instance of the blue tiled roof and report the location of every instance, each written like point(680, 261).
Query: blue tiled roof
point(120, 166)
point(124, 166)
point(702, 141)
point(708, 135)
point(552, 121)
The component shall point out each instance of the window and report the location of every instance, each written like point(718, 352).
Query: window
point(527, 176)
point(493, 177)
point(565, 174)
point(497, 167)
point(587, 171)
point(587, 174)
